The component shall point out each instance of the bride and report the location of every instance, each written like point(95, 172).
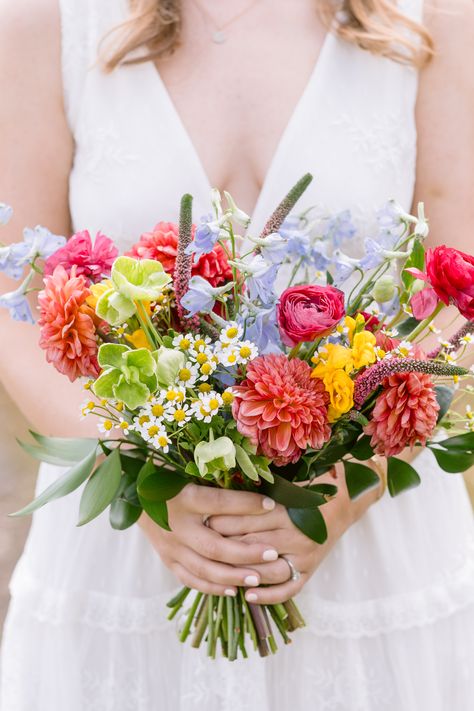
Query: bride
point(377, 100)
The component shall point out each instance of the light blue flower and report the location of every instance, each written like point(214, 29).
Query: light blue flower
point(38, 243)
point(297, 236)
point(391, 225)
point(340, 228)
point(342, 267)
point(273, 248)
point(6, 213)
point(201, 296)
point(17, 303)
point(374, 254)
point(261, 329)
point(261, 278)
point(205, 238)
point(319, 256)
point(11, 259)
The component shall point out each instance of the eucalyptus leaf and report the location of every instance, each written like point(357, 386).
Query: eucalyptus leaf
point(310, 522)
point(359, 478)
point(44, 455)
point(64, 485)
point(400, 476)
point(123, 514)
point(101, 488)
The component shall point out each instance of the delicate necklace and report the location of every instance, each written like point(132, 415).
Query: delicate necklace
point(218, 35)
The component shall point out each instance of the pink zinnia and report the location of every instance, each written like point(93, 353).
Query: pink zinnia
point(94, 261)
point(162, 245)
point(405, 413)
point(67, 333)
point(281, 408)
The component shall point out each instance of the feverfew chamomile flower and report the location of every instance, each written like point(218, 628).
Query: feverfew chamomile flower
point(201, 344)
point(124, 426)
point(188, 374)
point(229, 356)
point(207, 405)
point(404, 349)
point(105, 426)
point(86, 408)
point(174, 394)
point(232, 333)
point(246, 351)
point(178, 413)
point(184, 342)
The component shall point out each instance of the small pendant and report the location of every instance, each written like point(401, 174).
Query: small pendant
point(218, 37)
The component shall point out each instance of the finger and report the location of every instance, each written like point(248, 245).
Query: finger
point(220, 573)
point(192, 581)
point(210, 500)
point(275, 593)
point(277, 572)
point(228, 525)
point(213, 546)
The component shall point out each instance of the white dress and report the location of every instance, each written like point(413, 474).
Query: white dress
point(390, 612)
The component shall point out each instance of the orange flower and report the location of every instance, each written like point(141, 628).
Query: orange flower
point(67, 333)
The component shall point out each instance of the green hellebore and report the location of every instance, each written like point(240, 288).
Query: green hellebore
point(128, 375)
point(133, 280)
point(168, 364)
point(215, 456)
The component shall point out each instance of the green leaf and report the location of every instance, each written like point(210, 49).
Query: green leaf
point(359, 478)
point(329, 278)
point(362, 450)
point(444, 396)
point(160, 484)
point(43, 455)
point(324, 489)
point(131, 465)
point(401, 476)
point(453, 461)
point(290, 495)
point(123, 514)
point(245, 463)
point(105, 383)
point(111, 354)
point(101, 488)
point(70, 450)
point(407, 326)
point(191, 468)
point(66, 484)
point(462, 443)
point(417, 260)
point(157, 511)
point(310, 522)
point(132, 394)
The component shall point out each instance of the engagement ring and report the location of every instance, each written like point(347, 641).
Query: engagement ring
point(295, 574)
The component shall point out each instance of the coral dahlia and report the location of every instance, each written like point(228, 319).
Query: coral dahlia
point(67, 333)
point(405, 413)
point(162, 244)
point(281, 408)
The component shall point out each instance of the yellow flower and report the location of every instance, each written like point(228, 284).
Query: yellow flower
point(363, 349)
point(333, 357)
point(353, 325)
point(96, 291)
point(138, 339)
point(341, 394)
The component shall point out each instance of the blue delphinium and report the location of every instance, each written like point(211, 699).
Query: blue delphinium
point(17, 303)
point(340, 228)
point(261, 328)
point(201, 296)
point(38, 243)
point(261, 278)
point(206, 236)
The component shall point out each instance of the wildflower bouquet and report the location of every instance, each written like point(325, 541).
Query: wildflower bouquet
point(199, 372)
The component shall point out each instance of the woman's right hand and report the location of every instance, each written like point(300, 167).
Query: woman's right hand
point(200, 557)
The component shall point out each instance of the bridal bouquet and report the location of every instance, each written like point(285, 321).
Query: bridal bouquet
point(197, 371)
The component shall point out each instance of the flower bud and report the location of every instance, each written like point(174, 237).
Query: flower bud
point(384, 289)
point(168, 364)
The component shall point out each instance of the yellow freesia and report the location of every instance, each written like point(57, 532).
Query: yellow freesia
point(333, 357)
point(341, 394)
point(96, 292)
point(138, 339)
point(353, 325)
point(364, 349)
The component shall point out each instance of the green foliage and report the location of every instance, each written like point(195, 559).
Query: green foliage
point(444, 396)
point(400, 476)
point(101, 488)
point(362, 450)
point(129, 374)
point(123, 514)
point(416, 260)
point(310, 522)
point(406, 327)
point(455, 454)
point(290, 495)
point(359, 478)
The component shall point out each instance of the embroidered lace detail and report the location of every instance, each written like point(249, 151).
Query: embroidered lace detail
point(102, 151)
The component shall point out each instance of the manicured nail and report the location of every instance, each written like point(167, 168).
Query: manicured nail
point(251, 597)
point(268, 504)
point(230, 592)
point(270, 554)
point(251, 581)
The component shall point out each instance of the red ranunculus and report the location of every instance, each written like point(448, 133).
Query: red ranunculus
point(451, 274)
point(308, 312)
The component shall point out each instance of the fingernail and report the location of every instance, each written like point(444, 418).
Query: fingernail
point(270, 554)
point(251, 597)
point(230, 592)
point(268, 504)
point(251, 581)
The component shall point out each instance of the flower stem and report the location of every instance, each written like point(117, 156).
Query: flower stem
point(424, 324)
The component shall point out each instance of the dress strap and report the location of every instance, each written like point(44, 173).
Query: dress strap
point(83, 24)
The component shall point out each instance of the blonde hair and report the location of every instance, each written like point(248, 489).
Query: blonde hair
point(154, 30)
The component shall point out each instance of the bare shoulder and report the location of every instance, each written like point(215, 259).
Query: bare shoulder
point(28, 29)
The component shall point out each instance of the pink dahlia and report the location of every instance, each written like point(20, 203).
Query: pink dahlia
point(281, 408)
point(162, 245)
point(405, 413)
point(67, 333)
point(94, 261)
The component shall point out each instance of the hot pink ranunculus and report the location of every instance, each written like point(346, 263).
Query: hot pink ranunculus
point(67, 331)
point(93, 261)
point(308, 312)
point(451, 274)
point(281, 408)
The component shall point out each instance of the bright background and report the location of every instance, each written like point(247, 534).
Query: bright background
point(17, 479)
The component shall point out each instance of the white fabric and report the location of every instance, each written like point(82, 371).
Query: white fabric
point(390, 614)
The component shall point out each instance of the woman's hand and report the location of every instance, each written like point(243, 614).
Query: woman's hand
point(277, 528)
point(202, 558)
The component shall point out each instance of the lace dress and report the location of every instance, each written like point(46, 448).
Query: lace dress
point(390, 612)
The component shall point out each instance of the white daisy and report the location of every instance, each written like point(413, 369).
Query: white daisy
point(178, 413)
point(124, 426)
point(232, 333)
point(207, 406)
point(183, 341)
point(86, 408)
point(162, 441)
point(105, 426)
point(247, 351)
point(188, 375)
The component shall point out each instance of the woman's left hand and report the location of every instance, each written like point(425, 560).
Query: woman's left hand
point(278, 531)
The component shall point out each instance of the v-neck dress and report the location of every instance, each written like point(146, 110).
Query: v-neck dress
point(390, 611)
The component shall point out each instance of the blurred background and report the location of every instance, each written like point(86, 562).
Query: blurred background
point(17, 480)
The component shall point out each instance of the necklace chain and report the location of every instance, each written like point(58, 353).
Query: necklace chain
point(218, 35)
